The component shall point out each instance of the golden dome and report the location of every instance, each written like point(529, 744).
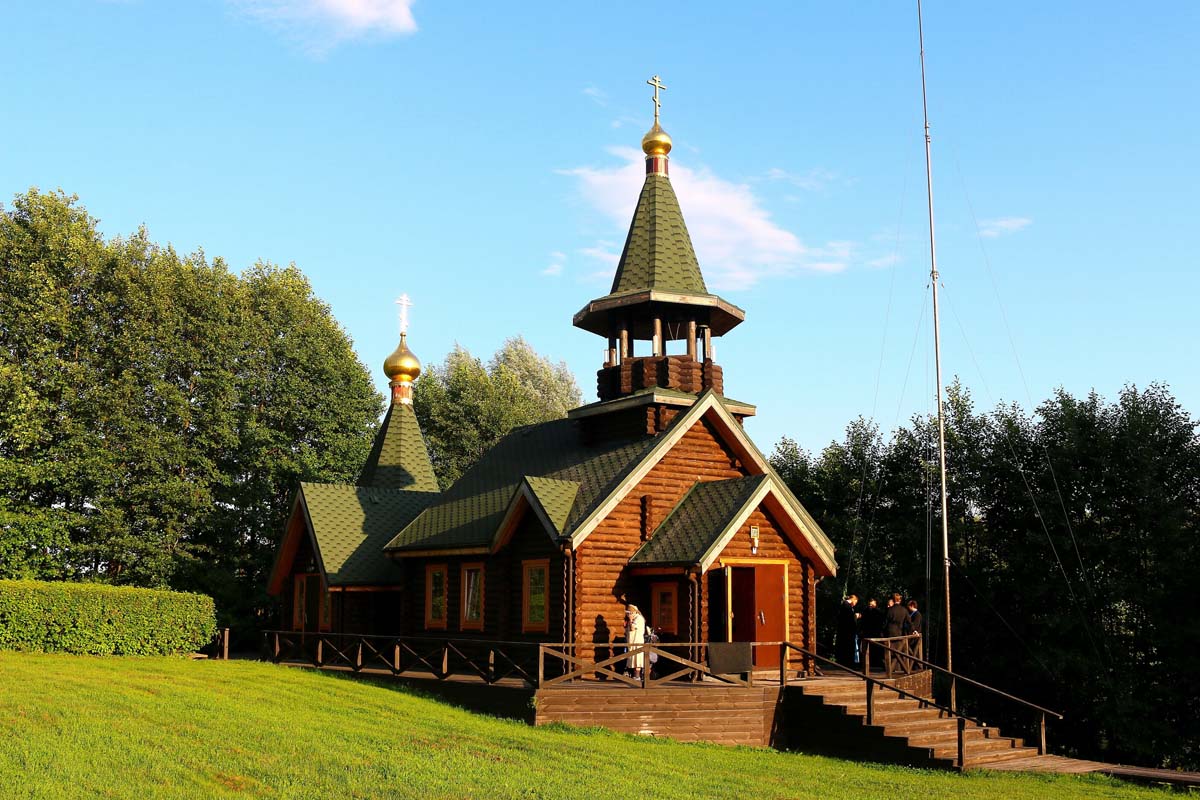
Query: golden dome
point(656, 142)
point(402, 365)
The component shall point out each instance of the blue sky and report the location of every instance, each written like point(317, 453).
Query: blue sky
point(482, 158)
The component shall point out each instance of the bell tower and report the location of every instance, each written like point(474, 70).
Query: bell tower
point(658, 295)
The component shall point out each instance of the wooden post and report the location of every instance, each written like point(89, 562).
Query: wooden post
point(708, 345)
point(610, 358)
point(623, 335)
point(445, 659)
point(783, 656)
point(867, 657)
point(645, 667)
point(320, 650)
point(870, 702)
point(491, 665)
point(224, 655)
point(962, 748)
point(541, 671)
point(691, 339)
point(276, 647)
point(1042, 735)
point(658, 348)
point(396, 657)
point(358, 657)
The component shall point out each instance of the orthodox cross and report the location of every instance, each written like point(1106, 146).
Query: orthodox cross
point(404, 304)
point(656, 82)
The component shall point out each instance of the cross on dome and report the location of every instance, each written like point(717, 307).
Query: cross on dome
point(657, 83)
point(404, 304)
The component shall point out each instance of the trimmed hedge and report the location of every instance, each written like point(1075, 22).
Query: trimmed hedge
point(97, 619)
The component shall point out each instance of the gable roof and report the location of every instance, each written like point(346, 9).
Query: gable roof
point(469, 513)
point(710, 407)
point(698, 521)
point(398, 458)
point(351, 524)
point(658, 251)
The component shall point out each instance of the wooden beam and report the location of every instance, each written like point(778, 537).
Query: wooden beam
point(691, 339)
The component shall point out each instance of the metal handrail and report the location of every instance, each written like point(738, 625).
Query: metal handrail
point(972, 681)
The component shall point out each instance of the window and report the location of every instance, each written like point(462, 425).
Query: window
point(664, 607)
point(470, 616)
point(435, 596)
point(535, 596)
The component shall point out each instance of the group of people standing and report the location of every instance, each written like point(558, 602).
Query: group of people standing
point(898, 619)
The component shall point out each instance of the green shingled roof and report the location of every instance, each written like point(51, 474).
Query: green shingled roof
point(658, 252)
point(469, 512)
point(398, 459)
point(557, 498)
point(351, 525)
point(697, 521)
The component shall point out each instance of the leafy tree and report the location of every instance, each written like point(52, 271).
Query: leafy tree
point(465, 407)
point(1074, 532)
point(157, 411)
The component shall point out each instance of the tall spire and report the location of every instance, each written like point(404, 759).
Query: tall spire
point(658, 292)
point(398, 458)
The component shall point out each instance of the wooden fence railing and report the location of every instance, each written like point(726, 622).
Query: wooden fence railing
point(904, 652)
point(488, 661)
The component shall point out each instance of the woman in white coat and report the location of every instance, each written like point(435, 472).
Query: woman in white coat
point(635, 634)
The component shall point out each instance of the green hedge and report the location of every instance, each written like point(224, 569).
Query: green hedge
point(96, 619)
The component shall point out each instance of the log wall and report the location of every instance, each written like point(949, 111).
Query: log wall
point(601, 580)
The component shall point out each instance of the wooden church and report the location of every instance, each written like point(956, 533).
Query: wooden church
point(653, 495)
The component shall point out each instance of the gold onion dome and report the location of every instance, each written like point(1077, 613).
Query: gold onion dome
point(402, 365)
point(656, 142)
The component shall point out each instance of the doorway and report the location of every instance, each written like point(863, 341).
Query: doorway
point(748, 603)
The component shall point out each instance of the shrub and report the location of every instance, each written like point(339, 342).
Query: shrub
point(96, 619)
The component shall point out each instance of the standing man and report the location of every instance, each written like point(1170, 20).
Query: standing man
point(915, 620)
point(896, 622)
point(872, 620)
point(847, 632)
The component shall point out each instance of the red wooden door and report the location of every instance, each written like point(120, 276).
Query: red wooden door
point(770, 603)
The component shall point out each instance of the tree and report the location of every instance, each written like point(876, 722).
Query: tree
point(157, 411)
point(465, 408)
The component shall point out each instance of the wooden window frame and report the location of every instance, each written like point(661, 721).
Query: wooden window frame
point(527, 567)
point(655, 610)
point(432, 624)
point(464, 623)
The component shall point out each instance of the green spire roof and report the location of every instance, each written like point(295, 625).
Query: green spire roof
point(658, 252)
point(398, 459)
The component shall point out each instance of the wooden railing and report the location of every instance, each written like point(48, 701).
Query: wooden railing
point(956, 679)
point(897, 650)
point(485, 660)
point(677, 661)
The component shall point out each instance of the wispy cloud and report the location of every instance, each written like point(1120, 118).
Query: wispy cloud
point(884, 261)
point(736, 240)
point(814, 180)
point(555, 268)
point(320, 25)
point(597, 95)
point(991, 228)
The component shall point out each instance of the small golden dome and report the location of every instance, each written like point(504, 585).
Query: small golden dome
point(402, 365)
point(656, 142)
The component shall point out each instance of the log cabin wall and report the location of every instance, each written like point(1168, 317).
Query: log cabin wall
point(502, 589)
point(774, 546)
point(601, 577)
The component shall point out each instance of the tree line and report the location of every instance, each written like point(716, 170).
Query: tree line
point(158, 410)
point(1074, 537)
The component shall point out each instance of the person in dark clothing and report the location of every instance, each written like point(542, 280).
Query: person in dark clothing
point(872, 620)
point(915, 620)
point(847, 632)
point(896, 622)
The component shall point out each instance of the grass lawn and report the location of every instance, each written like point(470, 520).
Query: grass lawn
point(78, 726)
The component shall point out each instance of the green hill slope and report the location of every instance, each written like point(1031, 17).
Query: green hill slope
point(74, 726)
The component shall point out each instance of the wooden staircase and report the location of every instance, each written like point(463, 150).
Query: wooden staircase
point(687, 713)
point(902, 729)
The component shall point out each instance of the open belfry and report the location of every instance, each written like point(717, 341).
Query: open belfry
point(652, 495)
